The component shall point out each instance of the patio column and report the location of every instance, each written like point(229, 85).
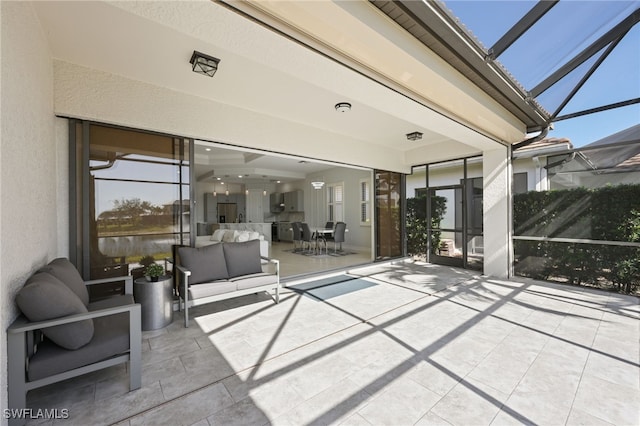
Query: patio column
point(496, 173)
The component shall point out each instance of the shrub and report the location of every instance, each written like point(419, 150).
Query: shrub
point(609, 213)
point(416, 224)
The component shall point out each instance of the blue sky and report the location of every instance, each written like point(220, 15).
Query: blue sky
point(567, 29)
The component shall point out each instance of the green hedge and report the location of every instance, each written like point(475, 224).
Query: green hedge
point(610, 213)
point(416, 224)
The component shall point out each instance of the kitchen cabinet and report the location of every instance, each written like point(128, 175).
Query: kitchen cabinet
point(255, 206)
point(276, 202)
point(294, 201)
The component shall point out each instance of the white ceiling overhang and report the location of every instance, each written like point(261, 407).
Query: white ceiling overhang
point(270, 92)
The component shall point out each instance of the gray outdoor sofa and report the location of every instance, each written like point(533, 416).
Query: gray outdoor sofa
point(222, 271)
point(62, 334)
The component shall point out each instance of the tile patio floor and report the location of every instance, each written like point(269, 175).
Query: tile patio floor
point(397, 344)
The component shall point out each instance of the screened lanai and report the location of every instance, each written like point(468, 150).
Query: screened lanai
point(566, 58)
point(576, 64)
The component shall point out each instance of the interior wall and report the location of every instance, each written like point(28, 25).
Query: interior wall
point(359, 236)
point(29, 225)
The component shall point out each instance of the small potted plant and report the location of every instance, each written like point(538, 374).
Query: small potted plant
point(154, 272)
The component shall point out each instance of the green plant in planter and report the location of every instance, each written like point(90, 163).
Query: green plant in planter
point(154, 271)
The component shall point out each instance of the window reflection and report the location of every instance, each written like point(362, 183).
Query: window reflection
point(139, 199)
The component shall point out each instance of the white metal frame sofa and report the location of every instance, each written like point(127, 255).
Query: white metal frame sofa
point(232, 235)
point(62, 334)
point(223, 271)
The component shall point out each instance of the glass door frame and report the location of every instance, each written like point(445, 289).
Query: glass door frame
point(449, 260)
point(464, 186)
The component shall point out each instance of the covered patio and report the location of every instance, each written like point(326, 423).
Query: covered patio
point(395, 343)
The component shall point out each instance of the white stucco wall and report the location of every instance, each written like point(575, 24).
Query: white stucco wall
point(97, 95)
point(496, 217)
point(29, 185)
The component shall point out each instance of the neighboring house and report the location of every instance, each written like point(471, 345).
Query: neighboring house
point(553, 163)
point(530, 164)
point(612, 160)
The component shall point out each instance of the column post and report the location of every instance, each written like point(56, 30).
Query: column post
point(497, 177)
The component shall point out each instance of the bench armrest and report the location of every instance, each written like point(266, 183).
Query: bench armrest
point(183, 270)
point(22, 324)
point(275, 262)
point(128, 282)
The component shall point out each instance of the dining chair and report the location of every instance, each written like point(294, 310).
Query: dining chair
point(329, 237)
point(338, 235)
point(307, 237)
point(297, 234)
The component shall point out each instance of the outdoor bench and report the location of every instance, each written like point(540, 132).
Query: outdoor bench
point(222, 271)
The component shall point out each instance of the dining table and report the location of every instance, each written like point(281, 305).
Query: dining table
point(320, 236)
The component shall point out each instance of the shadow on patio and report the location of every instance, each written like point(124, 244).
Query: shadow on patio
point(387, 344)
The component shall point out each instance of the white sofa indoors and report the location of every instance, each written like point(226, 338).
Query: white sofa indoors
point(233, 236)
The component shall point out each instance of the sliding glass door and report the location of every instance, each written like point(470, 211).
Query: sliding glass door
point(389, 214)
point(135, 196)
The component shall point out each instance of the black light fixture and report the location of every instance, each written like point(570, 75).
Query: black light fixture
point(414, 136)
point(204, 64)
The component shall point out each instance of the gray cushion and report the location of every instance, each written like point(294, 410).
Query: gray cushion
point(64, 270)
point(205, 263)
point(44, 297)
point(111, 338)
point(243, 258)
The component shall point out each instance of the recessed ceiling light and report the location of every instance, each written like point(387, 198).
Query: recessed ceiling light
point(343, 107)
point(207, 149)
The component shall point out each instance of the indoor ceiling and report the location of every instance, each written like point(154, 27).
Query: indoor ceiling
point(214, 162)
point(152, 42)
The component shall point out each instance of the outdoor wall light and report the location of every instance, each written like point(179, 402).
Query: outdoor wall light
point(343, 107)
point(414, 136)
point(204, 64)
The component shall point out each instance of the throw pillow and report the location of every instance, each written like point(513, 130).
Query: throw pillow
point(218, 234)
point(229, 236)
point(242, 237)
point(44, 297)
point(205, 263)
point(63, 270)
point(254, 235)
point(243, 258)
